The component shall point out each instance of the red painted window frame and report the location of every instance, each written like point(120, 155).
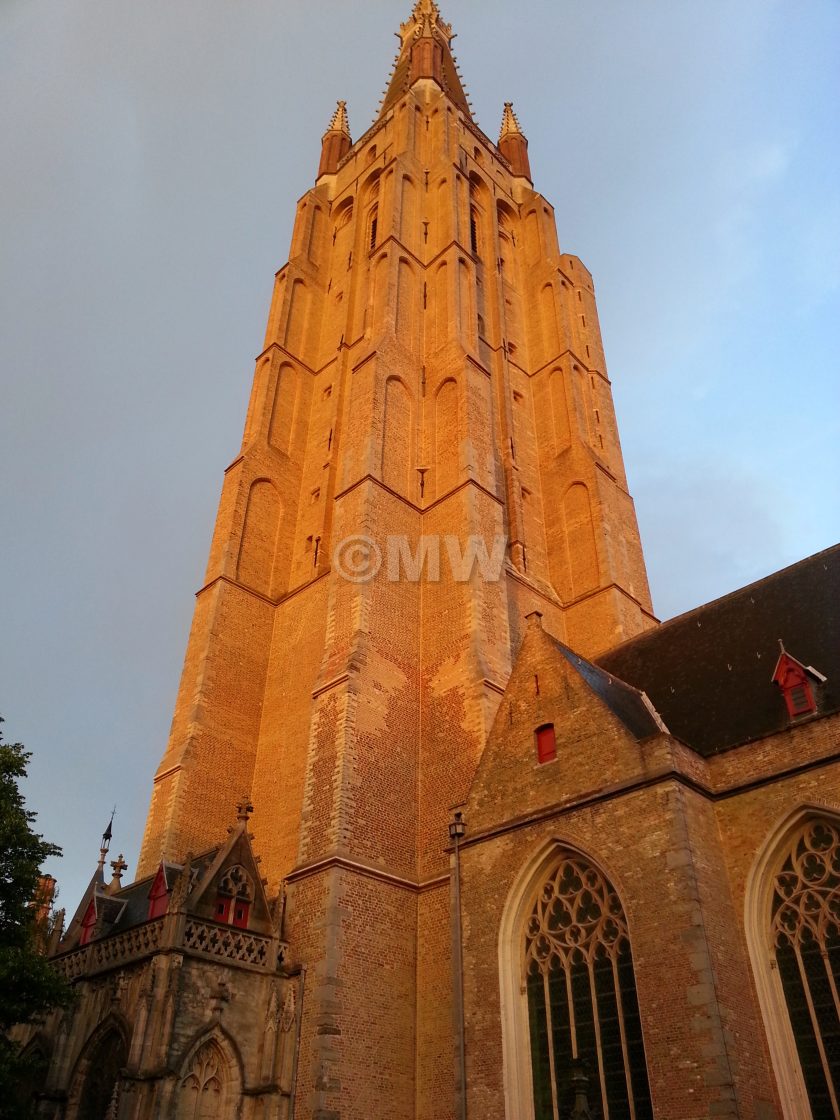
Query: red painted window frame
point(241, 911)
point(158, 896)
point(809, 705)
point(546, 742)
point(88, 923)
point(221, 910)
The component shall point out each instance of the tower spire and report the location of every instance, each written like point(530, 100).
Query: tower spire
point(513, 144)
point(425, 52)
point(339, 121)
point(510, 122)
point(336, 141)
point(106, 841)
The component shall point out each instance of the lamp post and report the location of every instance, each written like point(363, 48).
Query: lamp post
point(457, 828)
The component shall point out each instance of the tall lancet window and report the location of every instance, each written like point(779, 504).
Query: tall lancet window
point(806, 936)
point(582, 1003)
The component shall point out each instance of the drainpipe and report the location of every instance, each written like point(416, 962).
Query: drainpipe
point(457, 828)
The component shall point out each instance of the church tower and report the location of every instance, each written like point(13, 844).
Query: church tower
point(430, 455)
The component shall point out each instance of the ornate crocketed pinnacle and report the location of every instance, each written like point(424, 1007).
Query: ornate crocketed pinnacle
point(424, 17)
point(510, 123)
point(339, 122)
point(244, 809)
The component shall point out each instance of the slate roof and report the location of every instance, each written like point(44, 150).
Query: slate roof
point(624, 701)
point(708, 672)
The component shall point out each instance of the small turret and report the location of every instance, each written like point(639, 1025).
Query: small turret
point(336, 141)
point(512, 143)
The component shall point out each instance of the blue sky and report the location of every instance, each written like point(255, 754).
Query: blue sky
point(152, 157)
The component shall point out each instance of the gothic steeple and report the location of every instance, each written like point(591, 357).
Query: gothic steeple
point(425, 52)
point(512, 143)
point(336, 141)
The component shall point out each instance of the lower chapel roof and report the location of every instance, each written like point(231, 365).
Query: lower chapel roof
point(708, 673)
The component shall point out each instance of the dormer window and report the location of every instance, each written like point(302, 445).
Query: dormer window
point(88, 923)
point(800, 699)
point(796, 683)
point(546, 743)
point(158, 895)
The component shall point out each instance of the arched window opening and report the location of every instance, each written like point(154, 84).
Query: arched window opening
point(474, 231)
point(205, 1088)
point(344, 214)
point(234, 897)
point(372, 226)
point(100, 1090)
point(581, 991)
point(806, 939)
point(30, 1078)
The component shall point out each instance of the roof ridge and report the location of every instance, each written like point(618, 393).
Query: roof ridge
point(739, 591)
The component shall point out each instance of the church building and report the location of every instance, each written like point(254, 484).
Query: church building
point(448, 825)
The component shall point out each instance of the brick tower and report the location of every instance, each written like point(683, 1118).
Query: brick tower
point(432, 382)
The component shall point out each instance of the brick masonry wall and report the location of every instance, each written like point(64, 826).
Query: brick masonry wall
point(401, 392)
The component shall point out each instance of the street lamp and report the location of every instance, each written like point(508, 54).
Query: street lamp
point(457, 827)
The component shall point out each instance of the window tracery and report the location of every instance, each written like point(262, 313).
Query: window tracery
point(581, 991)
point(805, 928)
point(234, 896)
point(236, 883)
point(202, 1092)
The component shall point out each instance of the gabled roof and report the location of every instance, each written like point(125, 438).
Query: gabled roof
point(708, 672)
point(624, 701)
point(129, 906)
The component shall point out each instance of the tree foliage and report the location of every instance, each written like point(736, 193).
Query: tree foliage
point(30, 986)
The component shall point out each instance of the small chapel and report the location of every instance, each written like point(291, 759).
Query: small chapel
point(448, 824)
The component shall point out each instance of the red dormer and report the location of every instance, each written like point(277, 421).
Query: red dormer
point(88, 923)
point(159, 895)
point(796, 682)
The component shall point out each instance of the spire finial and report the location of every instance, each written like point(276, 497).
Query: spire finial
point(106, 840)
point(425, 16)
point(244, 809)
point(510, 122)
point(425, 53)
point(339, 121)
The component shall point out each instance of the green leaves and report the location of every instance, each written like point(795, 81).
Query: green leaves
point(30, 985)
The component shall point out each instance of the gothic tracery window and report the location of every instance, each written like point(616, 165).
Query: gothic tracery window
point(806, 939)
point(202, 1093)
point(234, 897)
point(581, 989)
